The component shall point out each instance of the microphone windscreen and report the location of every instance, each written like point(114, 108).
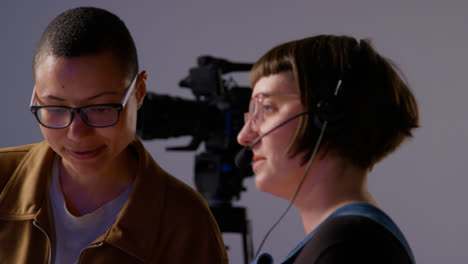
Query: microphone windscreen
point(243, 158)
point(265, 258)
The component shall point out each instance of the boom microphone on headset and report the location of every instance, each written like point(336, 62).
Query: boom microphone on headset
point(244, 156)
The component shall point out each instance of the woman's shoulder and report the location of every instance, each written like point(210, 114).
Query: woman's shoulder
point(17, 150)
point(353, 228)
point(175, 194)
point(10, 157)
point(353, 238)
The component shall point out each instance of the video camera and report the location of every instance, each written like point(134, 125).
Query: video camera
point(215, 117)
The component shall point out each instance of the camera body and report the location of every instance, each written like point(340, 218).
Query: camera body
point(215, 117)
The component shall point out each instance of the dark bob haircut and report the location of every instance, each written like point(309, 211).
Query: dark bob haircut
point(379, 111)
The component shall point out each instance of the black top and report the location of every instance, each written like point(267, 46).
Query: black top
point(352, 239)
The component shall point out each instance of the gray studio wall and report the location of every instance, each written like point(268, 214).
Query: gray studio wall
point(422, 186)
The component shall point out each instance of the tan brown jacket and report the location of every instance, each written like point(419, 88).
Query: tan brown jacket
point(163, 221)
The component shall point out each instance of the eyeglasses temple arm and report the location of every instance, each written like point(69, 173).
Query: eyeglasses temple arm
point(33, 97)
point(129, 91)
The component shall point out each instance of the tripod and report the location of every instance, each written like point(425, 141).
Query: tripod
point(219, 182)
point(234, 220)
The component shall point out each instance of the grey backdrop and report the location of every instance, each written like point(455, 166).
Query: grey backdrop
point(422, 186)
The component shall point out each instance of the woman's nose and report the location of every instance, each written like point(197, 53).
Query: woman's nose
point(78, 128)
point(246, 136)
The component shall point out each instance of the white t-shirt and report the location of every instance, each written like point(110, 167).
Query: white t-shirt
point(74, 234)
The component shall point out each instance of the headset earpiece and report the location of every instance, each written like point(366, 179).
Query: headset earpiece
point(332, 108)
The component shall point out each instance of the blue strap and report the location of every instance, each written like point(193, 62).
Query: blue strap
point(355, 209)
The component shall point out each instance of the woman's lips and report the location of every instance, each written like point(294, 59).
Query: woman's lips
point(85, 154)
point(257, 158)
point(256, 161)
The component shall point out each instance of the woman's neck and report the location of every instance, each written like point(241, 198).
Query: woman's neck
point(86, 193)
point(331, 183)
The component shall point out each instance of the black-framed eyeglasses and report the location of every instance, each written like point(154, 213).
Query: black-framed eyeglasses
point(103, 115)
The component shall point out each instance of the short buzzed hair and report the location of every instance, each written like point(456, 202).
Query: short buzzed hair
point(88, 31)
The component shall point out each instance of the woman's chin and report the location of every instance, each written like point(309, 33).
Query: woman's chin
point(263, 184)
point(260, 183)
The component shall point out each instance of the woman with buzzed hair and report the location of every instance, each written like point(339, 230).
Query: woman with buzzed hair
point(91, 193)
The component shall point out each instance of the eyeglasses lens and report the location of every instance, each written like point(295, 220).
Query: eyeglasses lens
point(100, 115)
point(255, 112)
point(97, 116)
point(53, 116)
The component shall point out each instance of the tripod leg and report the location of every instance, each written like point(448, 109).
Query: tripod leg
point(247, 243)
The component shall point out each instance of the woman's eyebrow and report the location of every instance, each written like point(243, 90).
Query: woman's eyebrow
point(103, 94)
point(56, 98)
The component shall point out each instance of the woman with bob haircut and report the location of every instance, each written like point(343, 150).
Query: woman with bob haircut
point(324, 110)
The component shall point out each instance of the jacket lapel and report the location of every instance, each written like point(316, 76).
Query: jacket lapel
point(140, 217)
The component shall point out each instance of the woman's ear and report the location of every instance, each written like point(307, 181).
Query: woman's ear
point(141, 88)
